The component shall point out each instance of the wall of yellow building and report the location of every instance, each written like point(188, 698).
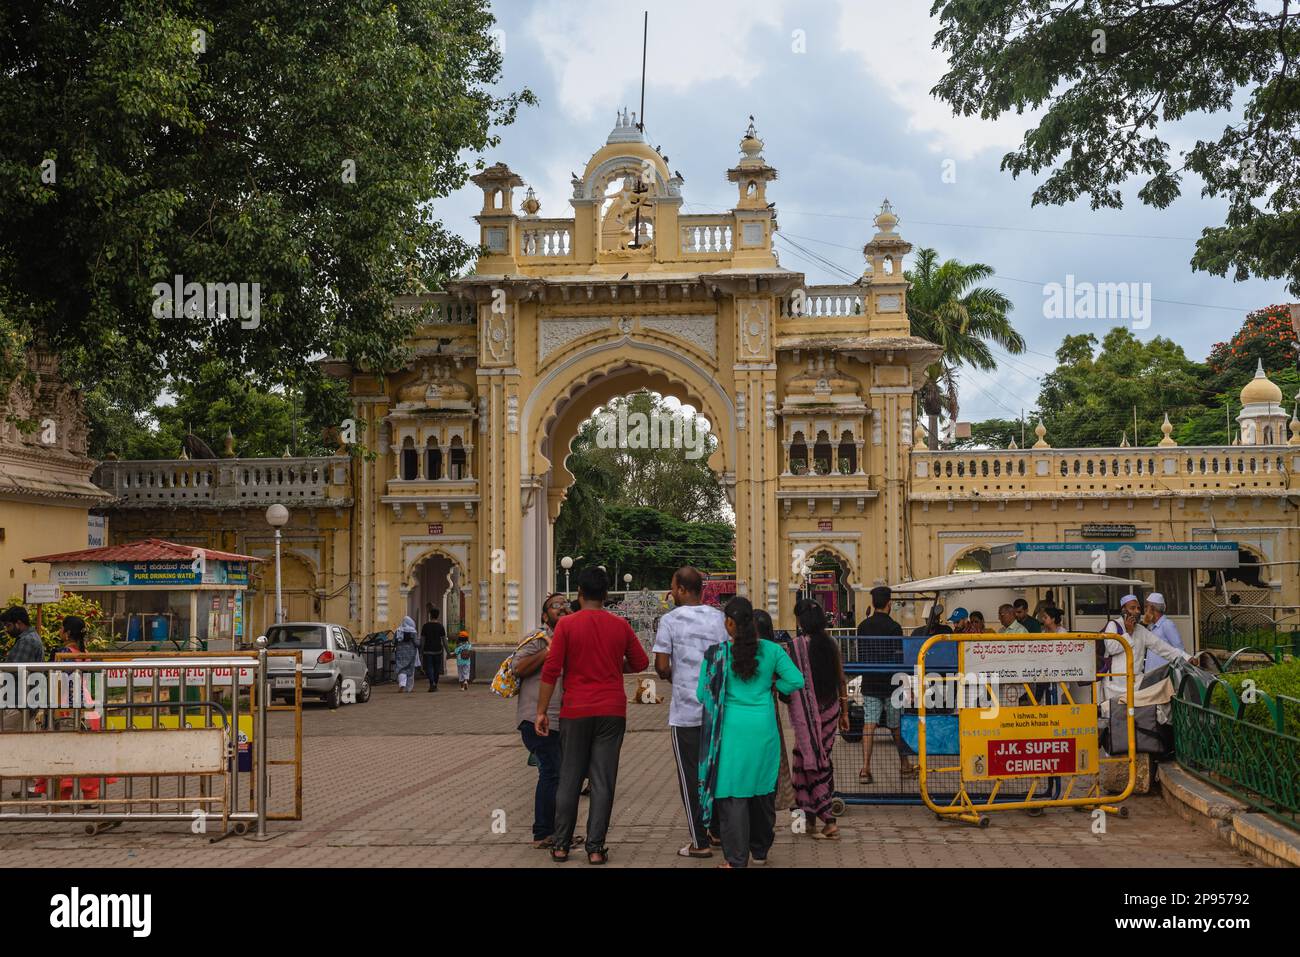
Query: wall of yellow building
point(36, 528)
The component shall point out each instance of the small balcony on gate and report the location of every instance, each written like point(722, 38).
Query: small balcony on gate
point(1130, 471)
point(315, 481)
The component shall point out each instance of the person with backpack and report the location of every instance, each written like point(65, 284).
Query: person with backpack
point(464, 653)
point(526, 664)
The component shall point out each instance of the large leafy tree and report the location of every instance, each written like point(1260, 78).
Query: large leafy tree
point(1092, 397)
point(1110, 77)
point(948, 307)
point(290, 144)
point(626, 499)
point(298, 418)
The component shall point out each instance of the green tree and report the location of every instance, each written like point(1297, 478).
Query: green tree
point(993, 434)
point(297, 417)
point(946, 307)
point(628, 499)
point(1111, 75)
point(1266, 336)
point(1089, 400)
point(294, 145)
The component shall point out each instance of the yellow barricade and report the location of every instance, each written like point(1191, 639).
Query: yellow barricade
point(1034, 742)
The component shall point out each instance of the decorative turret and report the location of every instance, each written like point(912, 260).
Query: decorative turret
point(752, 174)
point(1295, 422)
point(531, 204)
point(884, 255)
point(496, 219)
point(1263, 420)
point(228, 446)
point(1041, 432)
point(625, 130)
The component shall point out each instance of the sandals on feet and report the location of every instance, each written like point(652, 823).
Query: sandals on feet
point(827, 835)
point(601, 852)
point(690, 850)
point(864, 777)
point(559, 854)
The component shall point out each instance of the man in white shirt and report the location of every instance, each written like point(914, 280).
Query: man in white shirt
point(683, 636)
point(1146, 646)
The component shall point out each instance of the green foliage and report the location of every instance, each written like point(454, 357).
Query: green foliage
point(297, 417)
point(994, 434)
point(212, 140)
point(1088, 401)
point(946, 307)
point(1107, 75)
point(1281, 679)
point(52, 616)
point(656, 503)
point(652, 545)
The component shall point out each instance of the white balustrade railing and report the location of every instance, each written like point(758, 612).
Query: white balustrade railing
point(227, 482)
point(546, 238)
point(817, 302)
point(706, 235)
point(1151, 468)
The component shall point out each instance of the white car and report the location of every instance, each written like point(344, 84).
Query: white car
point(333, 666)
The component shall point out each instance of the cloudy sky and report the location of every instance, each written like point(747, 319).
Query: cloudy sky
point(848, 121)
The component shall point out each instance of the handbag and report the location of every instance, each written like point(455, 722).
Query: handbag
point(505, 683)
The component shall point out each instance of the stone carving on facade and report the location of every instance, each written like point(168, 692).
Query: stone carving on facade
point(753, 329)
point(554, 334)
point(699, 331)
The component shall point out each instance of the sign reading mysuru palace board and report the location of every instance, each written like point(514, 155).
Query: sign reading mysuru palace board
point(1033, 741)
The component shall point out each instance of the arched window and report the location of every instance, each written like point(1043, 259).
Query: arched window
point(456, 463)
point(410, 460)
point(822, 454)
point(432, 460)
point(799, 455)
point(848, 453)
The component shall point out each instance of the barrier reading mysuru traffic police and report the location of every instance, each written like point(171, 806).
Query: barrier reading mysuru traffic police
point(1051, 739)
point(101, 738)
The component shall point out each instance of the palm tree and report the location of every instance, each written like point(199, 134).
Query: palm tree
point(946, 307)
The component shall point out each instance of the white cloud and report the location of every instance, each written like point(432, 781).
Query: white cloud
point(596, 55)
point(894, 42)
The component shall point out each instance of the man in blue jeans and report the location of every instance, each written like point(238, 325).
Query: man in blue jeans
point(527, 664)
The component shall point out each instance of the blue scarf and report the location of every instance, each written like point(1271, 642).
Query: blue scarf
point(717, 665)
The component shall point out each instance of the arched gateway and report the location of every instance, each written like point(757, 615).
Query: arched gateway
point(809, 390)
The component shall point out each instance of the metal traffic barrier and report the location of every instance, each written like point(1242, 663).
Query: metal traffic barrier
point(1052, 740)
point(102, 738)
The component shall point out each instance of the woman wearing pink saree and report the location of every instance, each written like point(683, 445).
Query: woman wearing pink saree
point(818, 712)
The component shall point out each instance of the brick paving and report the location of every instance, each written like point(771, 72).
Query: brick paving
point(414, 780)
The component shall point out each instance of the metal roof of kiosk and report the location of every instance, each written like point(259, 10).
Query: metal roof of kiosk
point(1027, 579)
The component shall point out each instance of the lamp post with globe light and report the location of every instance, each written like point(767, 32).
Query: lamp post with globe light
point(566, 563)
point(627, 581)
point(276, 516)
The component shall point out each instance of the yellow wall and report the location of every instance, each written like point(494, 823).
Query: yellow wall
point(32, 528)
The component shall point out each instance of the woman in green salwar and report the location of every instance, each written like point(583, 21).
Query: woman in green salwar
point(740, 746)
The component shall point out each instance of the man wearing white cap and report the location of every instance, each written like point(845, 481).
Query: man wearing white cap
point(1160, 625)
point(1146, 644)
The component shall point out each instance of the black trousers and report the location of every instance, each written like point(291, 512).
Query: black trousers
point(686, 751)
point(590, 748)
point(747, 826)
point(433, 668)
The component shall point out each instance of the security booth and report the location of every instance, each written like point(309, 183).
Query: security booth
point(1169, 568)
point(159, 595)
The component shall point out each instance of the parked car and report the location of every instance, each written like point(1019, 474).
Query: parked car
point(332, 661)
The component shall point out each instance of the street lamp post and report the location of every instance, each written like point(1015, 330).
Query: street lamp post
point(627, 581)
point(566, 563)
point(276, 516)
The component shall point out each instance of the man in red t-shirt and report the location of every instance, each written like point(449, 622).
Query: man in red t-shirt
point(592, 650)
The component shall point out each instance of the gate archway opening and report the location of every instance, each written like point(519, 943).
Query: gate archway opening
point(436, 580)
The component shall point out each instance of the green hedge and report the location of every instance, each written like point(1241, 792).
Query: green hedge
point(1283, 679)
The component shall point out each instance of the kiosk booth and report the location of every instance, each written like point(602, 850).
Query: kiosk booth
point(159, 595)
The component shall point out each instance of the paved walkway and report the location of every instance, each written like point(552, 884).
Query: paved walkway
point(420, 779)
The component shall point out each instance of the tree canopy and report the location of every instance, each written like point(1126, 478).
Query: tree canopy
point(643, 509)
point(1090, 398)
point(296, 146)
point(1111, 76)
